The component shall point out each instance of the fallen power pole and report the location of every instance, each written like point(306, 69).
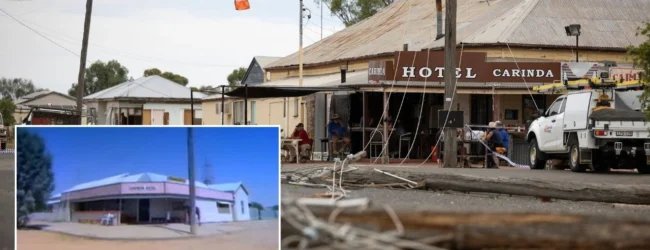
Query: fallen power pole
point(471, 230)
point(81, 85)
point(450, 160)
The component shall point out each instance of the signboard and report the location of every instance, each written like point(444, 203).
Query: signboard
point(413, 66)
point(625, 73)
point(579, 70)
point(142, 188)
point(455, 119)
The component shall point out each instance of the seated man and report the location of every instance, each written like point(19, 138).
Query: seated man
point(337, 132)
point(304, 144)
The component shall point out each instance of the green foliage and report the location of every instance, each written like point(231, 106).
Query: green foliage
point(16, 88)
point(641, 57)
point(351, 12)
point(7, 108)
point(167, 75)
point(100, 76)
point(259, 208)
point(35, 179)
point(236, 76)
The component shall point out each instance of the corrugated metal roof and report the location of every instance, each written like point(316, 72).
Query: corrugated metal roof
point(146, 87)
point(605, 24)
point(328, 80)
point(129, 178)
point(264, 61)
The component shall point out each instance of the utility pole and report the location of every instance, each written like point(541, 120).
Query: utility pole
point(302, 9)
point(450, 160)
point(223, 89)
point(321, 19)
point(82, 61)
point(192, 179)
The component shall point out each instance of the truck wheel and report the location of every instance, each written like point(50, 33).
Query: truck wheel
point(597, 163)
point(537, 157)
point(574, 156)
point(642, 166)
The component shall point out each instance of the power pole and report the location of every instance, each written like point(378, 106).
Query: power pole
point(302, 10)
point(321, 19)
point(223, 89)
point(192, 179)
point(82, 61)
point(207, 173)
point(450, 160)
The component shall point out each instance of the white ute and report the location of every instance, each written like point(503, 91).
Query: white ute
point(598, 129)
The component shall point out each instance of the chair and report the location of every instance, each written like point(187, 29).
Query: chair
point(376, 141)
point(404, 137)
point(324, 148)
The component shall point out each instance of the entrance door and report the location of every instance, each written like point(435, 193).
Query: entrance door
point(480, 114)
point(143, 210)
point(158, 117)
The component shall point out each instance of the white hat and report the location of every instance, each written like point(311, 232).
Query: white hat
point(492, 125)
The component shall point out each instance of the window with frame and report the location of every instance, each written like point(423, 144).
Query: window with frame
point(218, 108)
point(238, 112)
point(555, 107)
point(223, 208)
point(242, 207)
point(252, 113)
point(296, 106)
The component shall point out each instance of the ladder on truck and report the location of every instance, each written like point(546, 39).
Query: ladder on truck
point(593, 83)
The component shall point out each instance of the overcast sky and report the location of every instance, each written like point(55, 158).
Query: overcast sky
point(203, 40)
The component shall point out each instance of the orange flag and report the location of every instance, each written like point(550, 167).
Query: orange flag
point(242, 5)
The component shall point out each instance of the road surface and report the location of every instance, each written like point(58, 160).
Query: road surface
point(7, 198)
point(473, 202)
point(617, 177)
point(254, 238)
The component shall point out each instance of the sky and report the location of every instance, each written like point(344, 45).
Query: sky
point(82, 154)
point(203, 40)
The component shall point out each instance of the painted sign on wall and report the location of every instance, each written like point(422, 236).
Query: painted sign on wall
point(625, 73)
point(413, 66)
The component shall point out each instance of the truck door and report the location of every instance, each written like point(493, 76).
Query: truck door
point(550, 122)
point(557, 132)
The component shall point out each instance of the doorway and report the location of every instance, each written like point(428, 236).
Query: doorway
point(143, 210)
point(480, 114)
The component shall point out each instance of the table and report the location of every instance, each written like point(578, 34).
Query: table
point(292, 143)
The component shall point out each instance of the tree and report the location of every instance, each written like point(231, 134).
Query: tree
point(167, 75)
point(641, 58)
point(100, 76)
point(35, 179)
point(275, 210)
point(236, 77)
point(7, 109)
point(354, 11)
point(16, 88)
point(259, 208)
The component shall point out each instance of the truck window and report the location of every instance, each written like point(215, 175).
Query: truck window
point(555, 107)
point(563, 106)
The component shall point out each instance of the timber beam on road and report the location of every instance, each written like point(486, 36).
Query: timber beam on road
point(498, 230)
point(515, 185)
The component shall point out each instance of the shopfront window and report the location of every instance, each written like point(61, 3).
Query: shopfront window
point(529, 108)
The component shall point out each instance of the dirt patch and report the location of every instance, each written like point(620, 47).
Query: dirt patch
point(265, 238)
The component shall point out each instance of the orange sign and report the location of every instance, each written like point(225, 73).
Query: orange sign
point(242, 5)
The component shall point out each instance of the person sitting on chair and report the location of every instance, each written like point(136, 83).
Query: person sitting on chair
point(304, 144)
point(337, 132)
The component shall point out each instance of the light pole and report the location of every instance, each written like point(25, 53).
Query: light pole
point(574, 30)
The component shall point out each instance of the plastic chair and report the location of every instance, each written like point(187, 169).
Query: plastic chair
point(404, 137)
point(376, 141)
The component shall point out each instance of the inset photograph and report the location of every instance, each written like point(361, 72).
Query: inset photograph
point(147, 187)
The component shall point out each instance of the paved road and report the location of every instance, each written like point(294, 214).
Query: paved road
point(618, 177)
point(7, 198)
point(454, 201)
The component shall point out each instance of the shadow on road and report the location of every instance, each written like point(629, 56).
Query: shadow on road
point(34, 227)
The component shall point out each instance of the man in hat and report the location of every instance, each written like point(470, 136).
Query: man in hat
point(337, 133)
point(304, 144)
point(493, 140)
point(505, 137)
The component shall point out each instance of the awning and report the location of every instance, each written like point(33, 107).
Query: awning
point(279, 91)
